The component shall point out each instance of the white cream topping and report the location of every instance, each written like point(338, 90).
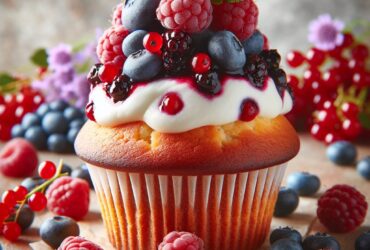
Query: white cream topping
point(199, 110)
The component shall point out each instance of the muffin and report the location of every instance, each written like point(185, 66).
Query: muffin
point(187, 132)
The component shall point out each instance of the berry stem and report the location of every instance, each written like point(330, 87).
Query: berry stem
point(310, 226)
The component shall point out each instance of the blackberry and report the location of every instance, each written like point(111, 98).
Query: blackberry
point(272, 59)
point(280, 80)
point(176, 51)
point(93, 76)
point(120, 88)
point(256, 70)
point(208, 82)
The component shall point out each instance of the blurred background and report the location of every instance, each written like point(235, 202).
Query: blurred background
point(27, 25)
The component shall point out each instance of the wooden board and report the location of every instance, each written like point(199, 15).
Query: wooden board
point(311, 159)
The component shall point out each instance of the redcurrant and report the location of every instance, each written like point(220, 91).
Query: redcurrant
point(332, 79)
point(328, 118)
point(4, 212)
point(108, 72)
point(9, 198)
point(201, 63)
point(348, 40)
point(248, 110)
point(11, 231)
point(350, 109)
point(295, 59)
point(20, 193)
point(318, 132)
point(360, 52)
point(315, 57)
point(312, 75)
point(351, 129)
point(171, 104)
point(332, 137)
point(47, 170)
point(153, 42)
point(361, 79)
point(37, 202)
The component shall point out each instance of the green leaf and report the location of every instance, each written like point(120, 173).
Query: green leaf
point(364, 119)
point(6, 79)
point(40, 58)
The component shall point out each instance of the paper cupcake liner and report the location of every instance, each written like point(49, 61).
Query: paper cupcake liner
point(231, 211)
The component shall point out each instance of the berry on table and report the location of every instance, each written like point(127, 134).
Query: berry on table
point(363, 241)
point(55, 122)
point(320, 241)
point(47, 170)
point(59, 143)
point(55, 230)
point(153, 42)
point(286, 244)
point(9, 198)
point(82, 172)
point(350, 109)
point(305, 184)
point(171, 104)
point(285, 233)
point(73, 242)
point(31, 182)
point(318, 131)
point(20, 192)
point(191, 17)
point(25, 217)
point(363, 167)
point(333, 137)
point(17, 131)
point(73, 113)
point(342, 153)
point(58, 106)
point(133, 42)
point(351, 128)
point(360, 52)
point(208, 83)
point(37, 136)
point(332, 79)
point(315, 57)
point(342, 209)
point(29, 120)
point(295, 59)
point(4, 212)
point(248, 110)
point(287, 202)
point(11, 231)
point(37, 202)
point(201, 63)
point(181, 241)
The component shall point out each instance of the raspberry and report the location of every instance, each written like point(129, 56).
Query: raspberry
point(69, 197)
point(240, 18)
point(117, 15)
point(110, 46)
point(189, 16)
point(342, 208)
point(181, 241)
point(78, 242)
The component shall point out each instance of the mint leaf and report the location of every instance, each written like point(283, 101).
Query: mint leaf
point(40, 58)
point(6, 79)
point(364, 119)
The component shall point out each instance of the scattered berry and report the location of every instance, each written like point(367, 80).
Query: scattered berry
point(66, 169)
point(37, 136)
point(55, 122)
point(363, 167)
point(342, 209)
point(59, 143)
point(201, 63)
point(287, 202)
point(191, 17)
point(9, 198)
point(208, 83)
point(295, 59)
point(31, 182)
point(69, 197)
point(133, 42)
point(285, 233)
point(171, 104)
point(238, 17)
point(320, 241)
point(18, 158)
point(30, 120)
point(305, 184)
point(109, 71)
point(58, 106)
point(73, 113)
point(20, 193)
point(37, 202)
point(77, 242)
point(342, 153)
point(248, 110)
point(117, 15)
point(286, 244)
point(17, 131)
point(254, 44)
point(26, 217)
point(140, 15)
point(11, 231)
point(82, 172)
point(315, 57)
point(120, 88)
point(153, 42)
point(363, 241)
point(350, 110)
point(55, 230)
point(181, 241)
point(4, 212)
point(47, 170)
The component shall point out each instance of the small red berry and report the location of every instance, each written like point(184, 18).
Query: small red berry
point(295, 59)
point(171, 104)
point(315, 57)
point(348, 40)
point(37, 202)
point(328, 105)
point(9, 198)
point(332, 137)
point(361, 79)
point(318, 132)
point(248, 110)
point(311, 75)
point(356, 65)
point(328, 118)
point(153, 42)
point(201, 63)
point(20, 193)
point(360, 52)
point(11, 231)
point(89, 110)
point(47, 170)
point(332, 79)
point(108, 72)
point(4, 212)
point(350, 109)
point(351, 129)
point(181, 241)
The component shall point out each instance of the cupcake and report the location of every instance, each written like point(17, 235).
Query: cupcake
point(186, 128)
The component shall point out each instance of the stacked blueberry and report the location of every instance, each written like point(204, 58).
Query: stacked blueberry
point(53, 127)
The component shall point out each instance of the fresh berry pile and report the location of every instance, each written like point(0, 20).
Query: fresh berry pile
point(164, 38)
point(332, 97)
point(13, 107)
point(53, 126)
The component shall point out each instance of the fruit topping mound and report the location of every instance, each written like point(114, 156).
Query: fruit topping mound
point(203, 40)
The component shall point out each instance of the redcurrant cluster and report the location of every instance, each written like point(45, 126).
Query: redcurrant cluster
point(12, 201)
point(13, 107)
point(332, 98)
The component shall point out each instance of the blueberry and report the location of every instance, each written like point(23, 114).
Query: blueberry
point(30, 120)
point(72, 113)
point(363, 241)
point(342, 153)
point(54, 122)
point(83, 173)
point(26, 217)
point(133, 42)
point(285, 233)
point(31, 182)
point(320, 241)
point(59, 144)
point(42, 110)
point(201, 40)
point(66, 169)
point(142, 66)
point(77, 123)
point(17, 131)
point(1, 247)
point(53, 231)
point(286, 203)
point(305, 184)
point(286, 244)
point(37, 136)
point(254, 44)
point(72, 134)
point(139, 14)
point(59, 105)
point(363, 167)
point(227, 51)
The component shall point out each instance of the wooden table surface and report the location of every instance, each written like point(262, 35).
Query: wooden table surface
point(311, 159)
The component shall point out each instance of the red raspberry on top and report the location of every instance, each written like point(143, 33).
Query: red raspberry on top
point(181, 241)
point(117, 15)
point(77, 243)
point(342, 209)
point(189, 16)
point(109, 48)
point(69, 197)
point(240, 18)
